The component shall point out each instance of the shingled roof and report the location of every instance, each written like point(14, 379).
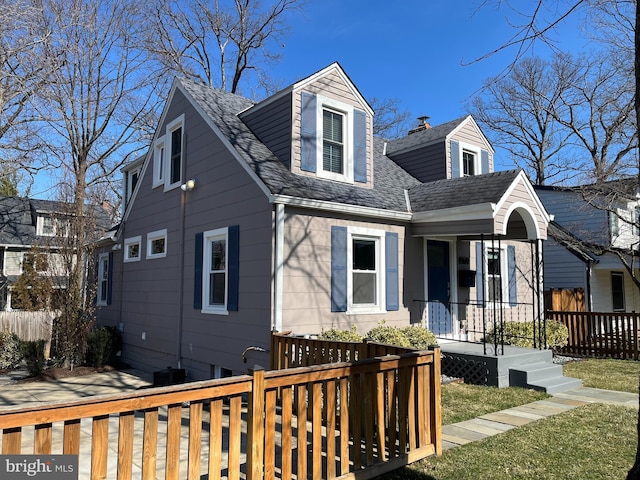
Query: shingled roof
point(390, 180)
point(463, 191)
point(424, 137)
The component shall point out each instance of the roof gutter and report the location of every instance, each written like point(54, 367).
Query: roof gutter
point(466, 212)
point(341, 208)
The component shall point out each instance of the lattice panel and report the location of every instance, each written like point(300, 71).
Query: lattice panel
point(473, 371)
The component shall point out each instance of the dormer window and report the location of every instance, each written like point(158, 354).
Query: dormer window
point(333, 139)
point(332, 142)
point(468, 163)
point(49, 226)
point(132, 180)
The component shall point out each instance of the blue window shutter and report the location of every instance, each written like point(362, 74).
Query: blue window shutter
point(308, 160)
point(338, 269)
point(110, 279)
point(233, 256)
point(359, 146)
point(391, 266)
point(479, 274)
point(484, 161)
point(455, 159)
point(511, 267)
point(197, 276)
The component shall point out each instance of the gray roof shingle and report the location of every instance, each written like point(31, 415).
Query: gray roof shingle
point(424, 137)
point(390, 180)
point(459, 192)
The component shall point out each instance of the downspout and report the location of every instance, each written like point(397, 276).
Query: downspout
point(278, 268)
point(183, 205)
point(588, 285)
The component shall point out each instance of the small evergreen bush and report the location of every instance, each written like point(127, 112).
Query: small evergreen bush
point(389, 335)
point(33, 354)
point(419, 337)
point(102, 342)
point(10, 355)
point(336, 335)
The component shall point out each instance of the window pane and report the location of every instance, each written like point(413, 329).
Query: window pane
point(218, 255)
point(364, 254)
point(176, 154)
point(364, 288)
point(493, 262)
point(133, 250)
point(617, 291)
point(332, 147)
point(468, 163)
point(157, 246)
point(332, 126)
point(216, 288)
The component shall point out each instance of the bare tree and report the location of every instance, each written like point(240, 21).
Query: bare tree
point(100, 91)
point(536, 26)
point(517, 111)
point(390, 121)
point(23, 70)
point(218, 42)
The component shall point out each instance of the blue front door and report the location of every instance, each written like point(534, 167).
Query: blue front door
point(438, 287)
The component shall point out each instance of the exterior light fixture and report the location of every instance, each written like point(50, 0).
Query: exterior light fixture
point(188, 186)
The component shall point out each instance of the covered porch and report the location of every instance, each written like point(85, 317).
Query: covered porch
point(482, 249)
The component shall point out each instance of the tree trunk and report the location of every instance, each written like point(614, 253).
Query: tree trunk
point(634, 473)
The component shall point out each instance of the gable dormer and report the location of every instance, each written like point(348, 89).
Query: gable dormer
point(451, 150)
point(320, 127)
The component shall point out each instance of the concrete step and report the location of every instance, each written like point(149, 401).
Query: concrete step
point(547, 377)
point(522, 375)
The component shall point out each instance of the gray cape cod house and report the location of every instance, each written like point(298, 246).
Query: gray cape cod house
point(290, 215)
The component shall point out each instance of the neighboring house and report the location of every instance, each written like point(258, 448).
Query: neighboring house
point(29, 227)
point(585, 226)
point(289, 215)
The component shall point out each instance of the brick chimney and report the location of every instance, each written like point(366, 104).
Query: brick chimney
point(422, 125)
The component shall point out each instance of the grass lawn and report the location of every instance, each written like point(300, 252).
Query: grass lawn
point(463, 402)
point(592, 442)
point(595, 441)
point(608, 374)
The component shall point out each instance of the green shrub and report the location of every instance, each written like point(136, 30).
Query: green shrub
point(336, 335)
point(389, 335)
point(102, 342)
point(10, 355)
point(521, 334)
point(419, 337)
point(33, 353)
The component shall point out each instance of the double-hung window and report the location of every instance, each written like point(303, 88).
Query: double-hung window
point(496, 275)
point(333, 141)
point(364, 270)
point(495, 280)
point(617, 291)
point(217, 267)
point(103, 279)
point(158, 162)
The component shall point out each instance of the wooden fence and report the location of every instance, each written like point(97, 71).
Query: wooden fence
point(613, 334)
point(564, 300)
point(290, 351)
point(364, 419)
point(29, 325)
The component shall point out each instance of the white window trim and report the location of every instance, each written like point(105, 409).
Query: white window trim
point(159, 161)
point(99, 300)
point(175, 124)
point(158, 234)
point(477, 165)
point(40, 226)
point(208, 236)
point(379, 236)
point(133, 241)
point(130, 187)
point(504, 277)
point(347, 138)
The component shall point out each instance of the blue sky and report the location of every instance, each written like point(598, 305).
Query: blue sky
point(413, 50)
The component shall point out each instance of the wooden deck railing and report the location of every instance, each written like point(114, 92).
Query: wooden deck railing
point(326, 421)
point(612, 334)
point(290, 351)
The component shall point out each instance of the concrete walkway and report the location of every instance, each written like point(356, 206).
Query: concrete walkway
point(494, 423)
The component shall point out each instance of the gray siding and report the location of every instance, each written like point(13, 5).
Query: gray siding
point(562, 269)
point(426, 164)
point(272, 125)
point(150, 293)
point(576, 215)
